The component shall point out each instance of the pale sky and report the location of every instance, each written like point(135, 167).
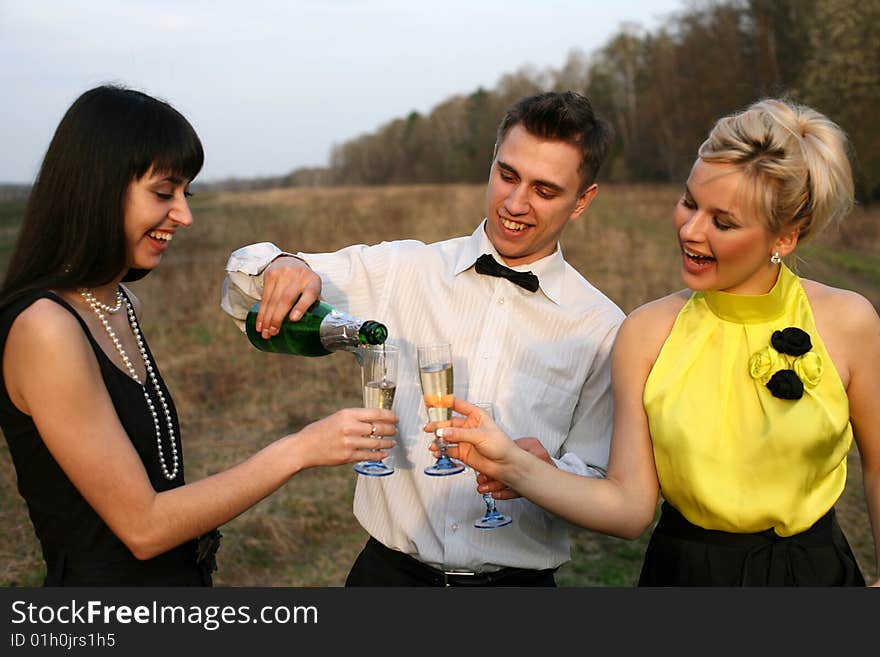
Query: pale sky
point(269, 85)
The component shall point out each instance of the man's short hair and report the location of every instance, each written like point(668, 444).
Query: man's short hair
point(563, 116)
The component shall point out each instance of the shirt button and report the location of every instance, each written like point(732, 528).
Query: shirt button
point(455, 526)
point(501, 301)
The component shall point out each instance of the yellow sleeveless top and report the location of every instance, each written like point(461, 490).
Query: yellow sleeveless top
point(730, 455)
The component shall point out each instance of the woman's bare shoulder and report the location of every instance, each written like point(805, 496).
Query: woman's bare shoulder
point(44, 340)
point(662, 310)
point(840, 307)
point(45, 320)
point(646, 328)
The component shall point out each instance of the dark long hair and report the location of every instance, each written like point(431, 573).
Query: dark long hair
point(73, 234)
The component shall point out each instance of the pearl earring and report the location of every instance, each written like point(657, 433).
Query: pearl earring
point(775, 259)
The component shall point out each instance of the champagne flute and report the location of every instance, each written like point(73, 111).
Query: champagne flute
point(492, 518)
point(435, 374)
point(379, 382)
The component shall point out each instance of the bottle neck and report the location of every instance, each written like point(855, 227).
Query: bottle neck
point(373, 332)
point(340, 331)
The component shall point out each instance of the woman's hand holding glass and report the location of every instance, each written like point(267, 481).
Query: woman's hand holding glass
point(479, 442)
point(346, 436)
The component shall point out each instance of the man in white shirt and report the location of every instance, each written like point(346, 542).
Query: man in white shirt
point(538, 349)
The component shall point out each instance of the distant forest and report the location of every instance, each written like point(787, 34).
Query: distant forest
point(661, 90)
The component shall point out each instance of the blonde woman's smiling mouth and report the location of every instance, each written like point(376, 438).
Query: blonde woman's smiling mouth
point(696, 256)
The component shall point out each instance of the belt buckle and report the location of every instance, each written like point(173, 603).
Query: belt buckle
point(456, 573)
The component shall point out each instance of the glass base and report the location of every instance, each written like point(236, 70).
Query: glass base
point(493, 520)
point(373, 469)
point(445, 466)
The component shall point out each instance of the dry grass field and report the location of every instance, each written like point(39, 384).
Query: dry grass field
point(233, 399)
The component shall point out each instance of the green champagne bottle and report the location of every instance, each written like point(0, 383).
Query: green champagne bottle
point(320, 331)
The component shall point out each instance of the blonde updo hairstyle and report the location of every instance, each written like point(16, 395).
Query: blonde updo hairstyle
point(796, 170)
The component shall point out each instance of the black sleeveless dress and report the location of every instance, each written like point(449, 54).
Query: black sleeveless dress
point(78, 547)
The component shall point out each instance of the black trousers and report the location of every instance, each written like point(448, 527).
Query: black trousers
point(683, 554)
point(378, 565)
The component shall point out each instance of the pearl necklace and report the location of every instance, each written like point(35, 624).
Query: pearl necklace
point(97, 307)
point(103, 306)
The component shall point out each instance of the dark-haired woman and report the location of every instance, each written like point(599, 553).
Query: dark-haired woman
point(738, 398)
point(91, 427)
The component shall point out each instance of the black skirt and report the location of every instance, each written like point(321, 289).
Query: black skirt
point(180, 566)
point(682, 554)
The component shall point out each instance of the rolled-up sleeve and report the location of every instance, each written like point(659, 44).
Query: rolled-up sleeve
point(243, 285)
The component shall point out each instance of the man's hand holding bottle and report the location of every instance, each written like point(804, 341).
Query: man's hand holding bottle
point(290, 287)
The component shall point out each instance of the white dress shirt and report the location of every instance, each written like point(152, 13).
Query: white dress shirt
point(542, 359)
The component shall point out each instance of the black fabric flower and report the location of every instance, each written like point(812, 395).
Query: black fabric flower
point(790, 352)
point(792, 341)
point(785, 384)
point(208, 545)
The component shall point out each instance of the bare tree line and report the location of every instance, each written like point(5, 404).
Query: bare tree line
point(661, 90)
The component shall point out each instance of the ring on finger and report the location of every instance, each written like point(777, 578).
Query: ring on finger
point(372, 429)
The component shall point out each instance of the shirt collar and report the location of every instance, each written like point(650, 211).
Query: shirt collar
point(753, 308)
point(550, 269)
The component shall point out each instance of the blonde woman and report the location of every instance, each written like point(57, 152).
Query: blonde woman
point(739, 397)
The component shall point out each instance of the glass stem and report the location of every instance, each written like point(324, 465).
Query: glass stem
point(441, 445)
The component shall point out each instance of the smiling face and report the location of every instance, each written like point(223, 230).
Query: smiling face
point(533, 192)
point(724, 246)
point(155, 207)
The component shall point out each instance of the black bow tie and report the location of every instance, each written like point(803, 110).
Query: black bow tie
point(486, 264)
